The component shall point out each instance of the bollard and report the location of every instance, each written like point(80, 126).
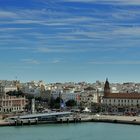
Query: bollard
point(15, 122)
point(36, 121)
point(75, 120)
point(21, 122)
point(61, 120)
point(29, 122)
point(67, 120)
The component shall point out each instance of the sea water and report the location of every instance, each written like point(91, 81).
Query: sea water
point(75, 131)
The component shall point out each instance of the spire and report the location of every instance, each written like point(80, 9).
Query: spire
point(106, 88)
point(106, 79)
point(107, 83)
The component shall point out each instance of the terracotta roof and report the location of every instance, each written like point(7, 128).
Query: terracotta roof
point(123, 95)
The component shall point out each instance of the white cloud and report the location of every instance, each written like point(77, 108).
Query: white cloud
point(65, 49)
point(30, 61)
point(7, 14)
point(53, 50)
point(15, 48)
point(70, 27)
point(56, 61)
point(131, 2)
point(124, 2)
point(130, 31)
point(126, 62)
point(13, 29)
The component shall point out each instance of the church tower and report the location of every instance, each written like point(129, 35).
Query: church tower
point(106, 88)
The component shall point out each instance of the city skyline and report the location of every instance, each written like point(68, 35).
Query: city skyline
point(70, 40)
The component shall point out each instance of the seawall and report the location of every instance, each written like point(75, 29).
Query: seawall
point(135, 120)
point(117, 119)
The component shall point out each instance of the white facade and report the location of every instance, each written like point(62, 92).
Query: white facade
point(65, 94)
point(89, 97)
point(12, 103)
point(5, 89)
point(121, 102)
point(70, 96)
point(31, 89)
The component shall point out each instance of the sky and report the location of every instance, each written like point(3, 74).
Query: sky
point(70, 40)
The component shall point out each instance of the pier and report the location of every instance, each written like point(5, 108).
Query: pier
point(70, 118)
point(117, 119)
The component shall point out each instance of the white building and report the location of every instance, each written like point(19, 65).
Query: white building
point(115, 102)
point(7, 88)
point(65, 94)
point(10, 104)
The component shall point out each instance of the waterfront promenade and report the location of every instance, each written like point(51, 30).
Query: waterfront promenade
point(117, 119)
point(85, 118)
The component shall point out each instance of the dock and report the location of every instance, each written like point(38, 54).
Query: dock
point(117, 119)
point(135, 120)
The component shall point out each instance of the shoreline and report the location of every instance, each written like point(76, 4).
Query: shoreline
point(133, 120)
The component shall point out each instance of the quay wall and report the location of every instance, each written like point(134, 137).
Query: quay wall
point(88, 118)
point(117, 119)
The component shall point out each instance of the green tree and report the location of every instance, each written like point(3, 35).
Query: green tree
point(55, 103)
point(71, 103)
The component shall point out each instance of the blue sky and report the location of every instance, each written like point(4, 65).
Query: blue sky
point(70, 40)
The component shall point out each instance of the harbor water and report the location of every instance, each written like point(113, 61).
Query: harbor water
point(75, 131)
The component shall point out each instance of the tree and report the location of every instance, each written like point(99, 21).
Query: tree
point(52, 102)
point(71, 103)
point(55, 103)
point(15, 93)
point(96, 108)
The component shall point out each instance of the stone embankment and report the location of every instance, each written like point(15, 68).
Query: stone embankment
point(117, 119)
point(4, 123)
point(81, 118)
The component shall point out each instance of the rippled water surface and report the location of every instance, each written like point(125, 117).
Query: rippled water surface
point(79, 131)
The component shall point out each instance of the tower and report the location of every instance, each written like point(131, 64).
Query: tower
point(33, 106)
point(106, 88)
